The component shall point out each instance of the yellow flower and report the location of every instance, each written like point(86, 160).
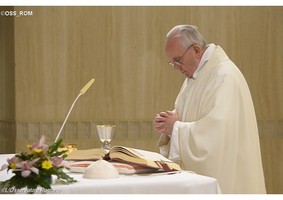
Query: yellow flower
point(46, 164)
point(38, 150)
point(29, 146)
point(13, 165)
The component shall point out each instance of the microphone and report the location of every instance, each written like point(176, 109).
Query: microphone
point(82, 91)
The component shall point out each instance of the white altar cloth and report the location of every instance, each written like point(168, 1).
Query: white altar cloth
point(157, 183)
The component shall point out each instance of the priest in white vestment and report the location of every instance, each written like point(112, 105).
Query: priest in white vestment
point(212, 129)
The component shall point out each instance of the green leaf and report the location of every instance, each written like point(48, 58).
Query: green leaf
point(55, 146)
point(45, 182)
point(43, 179)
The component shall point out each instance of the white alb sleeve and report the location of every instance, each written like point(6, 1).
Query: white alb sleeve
point(174, 152)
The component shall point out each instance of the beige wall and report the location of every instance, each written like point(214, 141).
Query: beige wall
point(7, 84)
point(59, 49)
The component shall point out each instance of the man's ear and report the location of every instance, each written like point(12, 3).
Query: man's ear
point(197, 48)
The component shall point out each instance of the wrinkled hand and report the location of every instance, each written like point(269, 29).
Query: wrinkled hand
point(164, 122)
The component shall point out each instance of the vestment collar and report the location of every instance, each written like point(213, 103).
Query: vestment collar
point(205, 57)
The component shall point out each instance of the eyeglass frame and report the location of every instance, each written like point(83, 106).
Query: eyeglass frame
point(177, 62)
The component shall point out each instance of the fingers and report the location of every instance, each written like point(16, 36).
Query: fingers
point(164, 114)
point(159, 123)
point(159, 127)
point(163, 122)
point(173, 114)
point(159, 119)
point(170, 113)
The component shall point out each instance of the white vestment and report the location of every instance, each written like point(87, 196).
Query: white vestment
point(219, 137)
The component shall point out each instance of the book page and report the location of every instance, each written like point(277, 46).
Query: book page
point(88, 154)
point(143, 157)
point(151, 155)
point(125, 154)
point(140, 153)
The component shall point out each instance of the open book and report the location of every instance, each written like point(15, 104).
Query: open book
point(136, 158)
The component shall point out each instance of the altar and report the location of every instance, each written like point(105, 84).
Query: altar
point(180, 182)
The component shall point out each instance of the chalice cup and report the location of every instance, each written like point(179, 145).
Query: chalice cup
point(106, 133)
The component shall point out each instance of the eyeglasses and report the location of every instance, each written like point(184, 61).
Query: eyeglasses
point(178, 63)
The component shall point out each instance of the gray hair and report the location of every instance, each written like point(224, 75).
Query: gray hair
point(188, 35)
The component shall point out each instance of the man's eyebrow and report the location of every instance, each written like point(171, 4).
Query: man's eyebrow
point(177, 58)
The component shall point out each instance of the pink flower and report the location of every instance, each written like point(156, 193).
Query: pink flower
point(11, 162)
point(15, 160)
point(27, 167)
point(57, 161)
point(41, 144)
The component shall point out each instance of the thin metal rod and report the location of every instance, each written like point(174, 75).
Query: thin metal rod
point(67, 117)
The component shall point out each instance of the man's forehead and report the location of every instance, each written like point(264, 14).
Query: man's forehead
point(174, 44)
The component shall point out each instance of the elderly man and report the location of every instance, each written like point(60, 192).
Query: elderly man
point(212, 129)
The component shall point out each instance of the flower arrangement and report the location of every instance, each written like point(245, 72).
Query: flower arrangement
point(35, 168)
